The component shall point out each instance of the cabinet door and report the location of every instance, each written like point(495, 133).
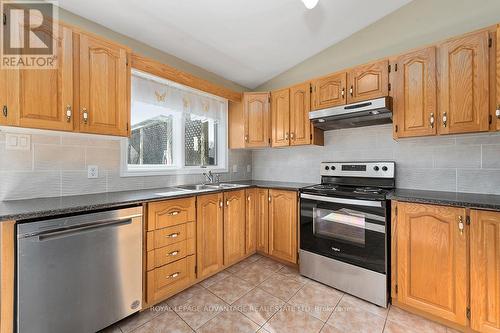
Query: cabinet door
point(44, 97)
point(415, 103)
point(252, 216)
point(464, 84)
point(209, 232)
point(300, 105)
point(485, 271)
point(104, 87)
point(283, 225)
point(262, 217)
point(368, 81)
point(257, 119)
point(234, 226)
point(432, 260)
point(496, 116)
point(9, 108)
point(280, 114)
point(329, 91)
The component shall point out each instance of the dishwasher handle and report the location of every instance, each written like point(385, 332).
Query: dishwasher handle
point(63, 232)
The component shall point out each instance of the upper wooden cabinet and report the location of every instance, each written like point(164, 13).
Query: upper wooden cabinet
point(329, 91)
point(432, 260)
point(209, 234)
point(485, 271)
point(8, 97)
point(283, 225)
point(234, 226)
point(464, 84)
point(257, 119)
point(415, 94)
point(104, 87)
point(280, 115)
point(496, 115)
point(300, 106)
point(368, 81)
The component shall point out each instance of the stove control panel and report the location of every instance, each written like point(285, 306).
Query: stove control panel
point(358, 169)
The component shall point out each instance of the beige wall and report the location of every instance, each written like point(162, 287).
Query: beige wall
point(146, 50)
point(419, 23)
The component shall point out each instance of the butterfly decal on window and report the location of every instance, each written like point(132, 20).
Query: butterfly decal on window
point(161, 97)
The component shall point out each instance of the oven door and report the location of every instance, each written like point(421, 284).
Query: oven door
point(349, 230)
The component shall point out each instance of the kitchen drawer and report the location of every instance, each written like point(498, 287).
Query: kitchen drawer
point(167, 280)
point(167, 254)
point(167, 236)
point(168, 213)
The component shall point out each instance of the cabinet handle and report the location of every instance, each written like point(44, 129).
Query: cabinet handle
point(286, 136)
point(175, 212)
point(246, 138)
point(445, 119)
point(5, 111)
point(221, 204)
point(227, 203)
point(85, 115)
point(497, 112)
point(351, 90)
point(69, 113)
point(461, 225)
point(432, 120)
point(248, 198)
point(173, 253)
point(269, 198)
point(292, 136)
point(173, 276)
point(343, 92)
point(174, 235)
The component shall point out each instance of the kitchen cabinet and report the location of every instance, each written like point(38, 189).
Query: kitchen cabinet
point(415, 94)
point(463, 67)
point(257, 220)
point(234, 226)
point(104, 80)
point(280, 115)
point(329, 91)
point(368, 81)
point(496, 115)
point(283, 225)
point(251, 220)
point(257, 119)
point(432, 271)
point(8, 100)
point(210, 235)
point(485, 271)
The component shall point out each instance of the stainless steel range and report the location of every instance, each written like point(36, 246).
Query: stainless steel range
point(345, 228)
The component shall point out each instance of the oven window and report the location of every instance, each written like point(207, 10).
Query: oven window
point(342, 224)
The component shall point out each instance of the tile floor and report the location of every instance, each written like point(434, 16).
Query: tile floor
point(261, 295)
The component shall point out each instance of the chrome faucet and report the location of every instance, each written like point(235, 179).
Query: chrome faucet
point(209, 176)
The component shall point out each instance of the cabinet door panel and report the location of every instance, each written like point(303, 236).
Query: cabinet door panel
point(9, 100)
point(432, 260)
point(464, 84)
point(262, 216)
point(43, 95)
point(234, 226)
point(283, 225)
point(280, 113)
point(415, 103)
point(496, 116)
point(485, 271)
point(329, 91)
point(257, 119)
point(368, 81)
point(252, 219)
point(300, 105)
point(104, 87)
point(209, 232)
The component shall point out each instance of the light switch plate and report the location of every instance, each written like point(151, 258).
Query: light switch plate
point(235, 168)
point(17, 142)
point(93, 171)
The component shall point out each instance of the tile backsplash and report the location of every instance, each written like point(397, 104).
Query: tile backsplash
point(465, 163)
point(56, 165)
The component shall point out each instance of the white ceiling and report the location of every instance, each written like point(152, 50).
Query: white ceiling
point(245, 41)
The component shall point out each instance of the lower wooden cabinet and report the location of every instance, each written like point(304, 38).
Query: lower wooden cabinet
point(485, 271)
point(234, 226)
point(258, 217)
point(210, 234)
point(283, 225)
point(251, 220)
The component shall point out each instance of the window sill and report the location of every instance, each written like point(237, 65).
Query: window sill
point(170, 172)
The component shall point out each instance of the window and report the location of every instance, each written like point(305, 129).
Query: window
point(174, 129)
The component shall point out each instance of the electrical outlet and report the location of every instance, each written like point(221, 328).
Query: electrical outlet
point(93, 171)
point(235, 168)
point(18, 142)
point(249, 168)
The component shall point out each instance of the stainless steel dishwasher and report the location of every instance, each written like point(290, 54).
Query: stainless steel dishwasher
point(79, 273)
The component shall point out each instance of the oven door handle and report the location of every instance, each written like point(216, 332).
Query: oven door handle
point(355, 202)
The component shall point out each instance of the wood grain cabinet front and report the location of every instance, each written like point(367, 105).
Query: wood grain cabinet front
point(283, 225)
point(234, 226)
point(168, 213)
point(496, 111)
point(368, 81)
point(280, 115)
point(257, 121)
point(329, 91)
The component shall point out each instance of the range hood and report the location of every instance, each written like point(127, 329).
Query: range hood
point(372, 112)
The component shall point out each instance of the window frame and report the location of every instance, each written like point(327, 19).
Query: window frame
point(127, 170)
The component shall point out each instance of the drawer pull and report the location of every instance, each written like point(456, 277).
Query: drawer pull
point(173, 276)
point(175, 212)
point(174, 235)
point(173, 253)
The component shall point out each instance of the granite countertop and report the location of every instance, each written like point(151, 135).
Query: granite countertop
point(468, 200)
point(49, 207)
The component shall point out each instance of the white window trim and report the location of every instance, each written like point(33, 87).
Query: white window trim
point(160, 170)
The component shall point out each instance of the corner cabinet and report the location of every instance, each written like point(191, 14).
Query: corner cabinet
point(104, 87)
point(283, 211)
point(234, 226)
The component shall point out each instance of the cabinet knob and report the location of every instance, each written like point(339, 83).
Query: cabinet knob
point(432, 120)
point(445, 119)
point(351, 90)
point(85, 115)
point(175, 212)
point(292, 136)
point(343, 92)
point(173, 253)
point(248, 198)
point(173, 276)
point(497, 112)
point(227, 203)
point(461, 225)
point(174, 235)
point(269, 198)
point(5, 111)
point(286, 136)
point(69, 113)
point(221, 204)
point(246, 138)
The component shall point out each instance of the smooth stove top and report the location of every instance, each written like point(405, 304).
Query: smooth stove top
point(335, 190)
